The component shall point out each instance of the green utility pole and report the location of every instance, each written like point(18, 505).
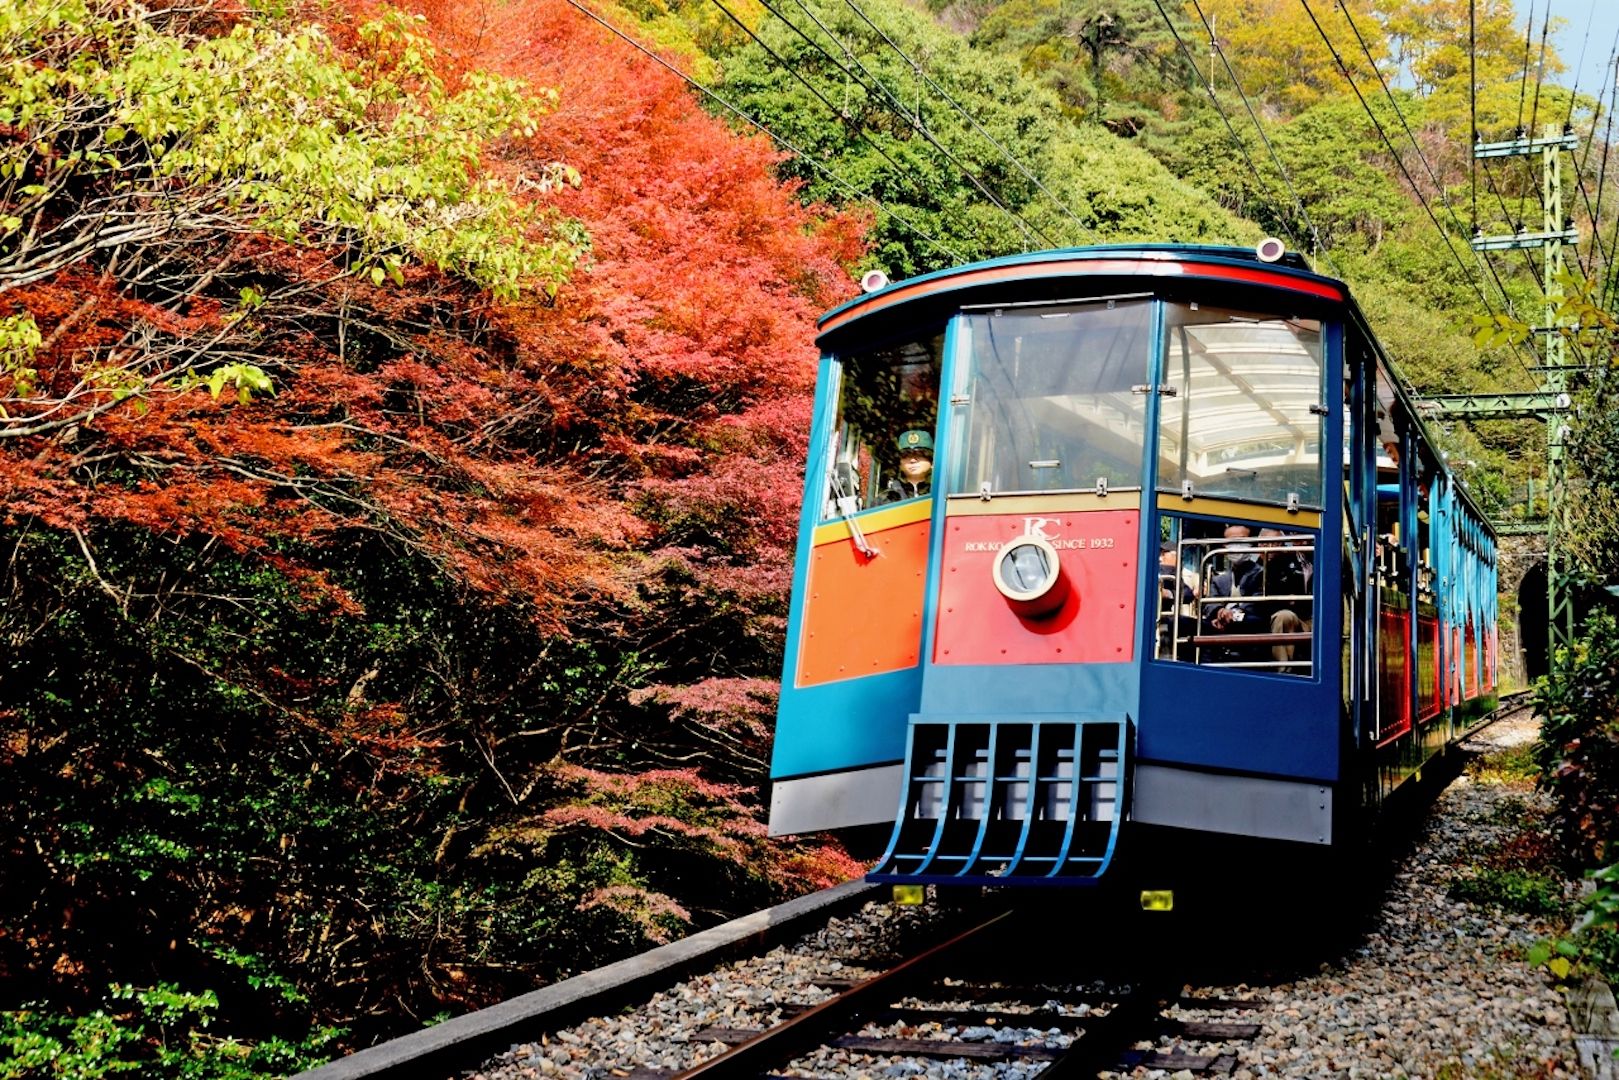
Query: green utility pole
point(1550, 402)
point(1559, 591)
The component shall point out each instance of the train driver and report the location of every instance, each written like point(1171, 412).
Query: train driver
point(915, 477)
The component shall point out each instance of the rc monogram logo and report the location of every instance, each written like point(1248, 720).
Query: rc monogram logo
point(1036, 527)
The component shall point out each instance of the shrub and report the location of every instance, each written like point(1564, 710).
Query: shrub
point(1578, 752)
point(159, 1032)
point(1512, 890)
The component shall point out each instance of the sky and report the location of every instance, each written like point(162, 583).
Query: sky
point(1602, 17)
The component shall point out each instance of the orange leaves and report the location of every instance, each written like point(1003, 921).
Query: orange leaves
point(655, 914)
point(817, 862)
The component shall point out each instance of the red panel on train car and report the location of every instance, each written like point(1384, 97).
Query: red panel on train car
point(1429, 684)
point(1394, 652)
point(1470, 662)
point(1489, 660)
point(1455, 665)
point(864, 616)
point(1097, 552)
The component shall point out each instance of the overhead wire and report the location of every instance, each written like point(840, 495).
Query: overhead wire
point(1602, 173)
point(1597, 250)
point(1484, 256)
point(1316, 243)
point(1593, 210)
point(814, 90)
point(1517, 226)
point(965, 114)
point(1585, 42)
point(1028, 229)
point(1528, 32)
point(1479, 257)
point(805, 156)
point(1433, 177)
point(1242, 147)
point(1516, 223)
point(1472, 102)
point(1530, 267)
point(1534, 115)
point(1540, 69)
point(1400, 162)
point(1529, 133)
point(1523, 86)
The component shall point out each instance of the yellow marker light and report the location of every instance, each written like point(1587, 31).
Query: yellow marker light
point(1157, 899)
point(909, 895)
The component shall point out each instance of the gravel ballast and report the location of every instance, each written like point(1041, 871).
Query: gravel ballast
point(1436, 987)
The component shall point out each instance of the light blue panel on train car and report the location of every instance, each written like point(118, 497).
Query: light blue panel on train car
point(844, 725)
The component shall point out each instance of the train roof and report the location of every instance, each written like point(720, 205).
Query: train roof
point(1046, 277)
point(1042, 275)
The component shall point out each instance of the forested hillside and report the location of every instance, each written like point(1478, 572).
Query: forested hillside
point(402, 417)
point(1340, 128)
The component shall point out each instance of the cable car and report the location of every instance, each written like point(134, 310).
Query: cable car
point(1106, 549)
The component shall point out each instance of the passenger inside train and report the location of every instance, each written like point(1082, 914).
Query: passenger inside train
point(1245, 598)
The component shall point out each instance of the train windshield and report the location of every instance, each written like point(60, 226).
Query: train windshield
point(1242, 417)
point(1049, 398)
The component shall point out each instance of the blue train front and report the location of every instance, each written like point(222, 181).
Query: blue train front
point(1114, 542)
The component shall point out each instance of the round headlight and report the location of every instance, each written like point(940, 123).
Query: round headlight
point(1028, 573)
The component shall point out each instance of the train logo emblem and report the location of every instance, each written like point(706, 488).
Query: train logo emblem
point(1036, 528)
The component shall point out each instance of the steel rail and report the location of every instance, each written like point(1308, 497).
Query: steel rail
point(778, 1045)
point(1133, 1016)
point(463, 1041)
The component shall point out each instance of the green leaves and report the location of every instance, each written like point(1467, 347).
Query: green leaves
point(249, 379)
point(1578, 754)
point(19, 340)
point(155, 1031)
point(1493, 331)
point(270, 127)
point(953, 183)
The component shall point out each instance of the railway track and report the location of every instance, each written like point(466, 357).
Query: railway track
point(920, 1011)
point(969, 994)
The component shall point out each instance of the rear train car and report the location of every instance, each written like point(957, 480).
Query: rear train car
point(1108, 549)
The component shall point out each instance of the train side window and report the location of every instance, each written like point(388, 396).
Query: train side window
point(1236, 594)
point(881, 450)
point(1245, 415)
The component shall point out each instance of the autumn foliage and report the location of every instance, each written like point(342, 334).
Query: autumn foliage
point(382, 639)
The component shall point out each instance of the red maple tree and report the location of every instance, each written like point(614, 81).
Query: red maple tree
point(474, 620)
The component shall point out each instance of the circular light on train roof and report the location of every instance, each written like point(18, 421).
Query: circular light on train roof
point(1270, 249)
point(1028, 573)
point(873, 280)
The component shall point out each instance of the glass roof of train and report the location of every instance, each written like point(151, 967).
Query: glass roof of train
point(1252, 383)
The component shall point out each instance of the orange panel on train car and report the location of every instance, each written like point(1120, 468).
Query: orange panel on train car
point(1096, 624)
point(864, 616)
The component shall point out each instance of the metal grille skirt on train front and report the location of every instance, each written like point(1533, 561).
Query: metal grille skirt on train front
point(990, 800)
